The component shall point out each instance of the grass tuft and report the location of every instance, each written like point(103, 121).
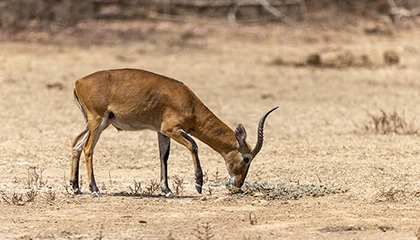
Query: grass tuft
point(35, 179)
point(389, 123)
point(154, 186)
point(178, 185)
point(36, 184)
point(203, 232)
point(282, 191)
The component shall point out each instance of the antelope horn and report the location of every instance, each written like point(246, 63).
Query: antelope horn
point(260, 140)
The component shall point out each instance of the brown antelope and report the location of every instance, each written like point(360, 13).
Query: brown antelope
point(131, 99)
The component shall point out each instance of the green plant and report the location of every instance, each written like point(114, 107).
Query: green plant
point(283, 191)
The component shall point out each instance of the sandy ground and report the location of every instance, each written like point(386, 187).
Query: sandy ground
point(316, 136)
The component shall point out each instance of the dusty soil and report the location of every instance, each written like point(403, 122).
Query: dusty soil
point(316, 137)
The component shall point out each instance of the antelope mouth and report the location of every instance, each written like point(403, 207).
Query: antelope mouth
point(234, 183)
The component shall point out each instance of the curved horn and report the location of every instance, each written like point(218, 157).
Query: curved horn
point(260, 140)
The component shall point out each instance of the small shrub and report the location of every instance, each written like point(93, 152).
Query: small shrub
point(35, 179)
point(177, 184)
point(50, 196)
point(418, 233)
point(153, 187)
point(393, 194)
point(136, 189)
point(31, 195)
point(389, 123)
point(216, 176)
point(252, 218)
point(15, 199)
point(203, 232)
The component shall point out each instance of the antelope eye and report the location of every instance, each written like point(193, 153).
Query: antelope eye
point(246, 160)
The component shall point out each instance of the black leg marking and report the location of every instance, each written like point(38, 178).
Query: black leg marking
point(164, 147)
point(199, 171)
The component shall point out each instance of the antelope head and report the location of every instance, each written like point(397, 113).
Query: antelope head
point(239, 160)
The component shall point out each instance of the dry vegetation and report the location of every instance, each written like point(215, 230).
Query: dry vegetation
point(390, 123)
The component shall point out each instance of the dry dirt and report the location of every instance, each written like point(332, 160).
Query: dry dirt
point(315, 137)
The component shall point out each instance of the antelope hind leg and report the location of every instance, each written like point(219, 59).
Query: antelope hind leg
point(95, 128)
point(77, 147)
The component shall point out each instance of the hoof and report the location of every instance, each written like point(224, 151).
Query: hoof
point(198, 188)
point(77, 191)
point(169, 195)
point(96, 194)
point(75, 188)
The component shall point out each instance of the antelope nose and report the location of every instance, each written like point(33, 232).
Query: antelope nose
point(235, 183)
point(232, 181)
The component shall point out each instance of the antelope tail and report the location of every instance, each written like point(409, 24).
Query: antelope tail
point(76, 98)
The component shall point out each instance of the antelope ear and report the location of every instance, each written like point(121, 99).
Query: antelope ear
point(240, 135)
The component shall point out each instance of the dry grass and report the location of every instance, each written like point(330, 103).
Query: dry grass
point(400, 194)
point(31, 195)
point(389, 123)
point(203, 232)
point(153, 187)
point(15, 199)
point(418, 234)
point(36, 183)
point(136, 189)
point(178, 185)
point(35, 179)
point(338, 60)
point(252, 218)
point(50, 196)
point(391, 195)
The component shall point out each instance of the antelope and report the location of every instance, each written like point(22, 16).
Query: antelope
point(132, 99)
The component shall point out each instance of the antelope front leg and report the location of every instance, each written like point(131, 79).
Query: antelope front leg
point(183, 138)
point(164, 146)
point(197, 165)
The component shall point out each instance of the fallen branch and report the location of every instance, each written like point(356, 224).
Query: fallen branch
point(269, 7)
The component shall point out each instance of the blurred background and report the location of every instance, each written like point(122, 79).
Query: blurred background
point(53, 15)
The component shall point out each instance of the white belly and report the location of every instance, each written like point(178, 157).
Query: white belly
point(131, 126)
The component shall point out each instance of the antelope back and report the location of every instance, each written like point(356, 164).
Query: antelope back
point(136, 98)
